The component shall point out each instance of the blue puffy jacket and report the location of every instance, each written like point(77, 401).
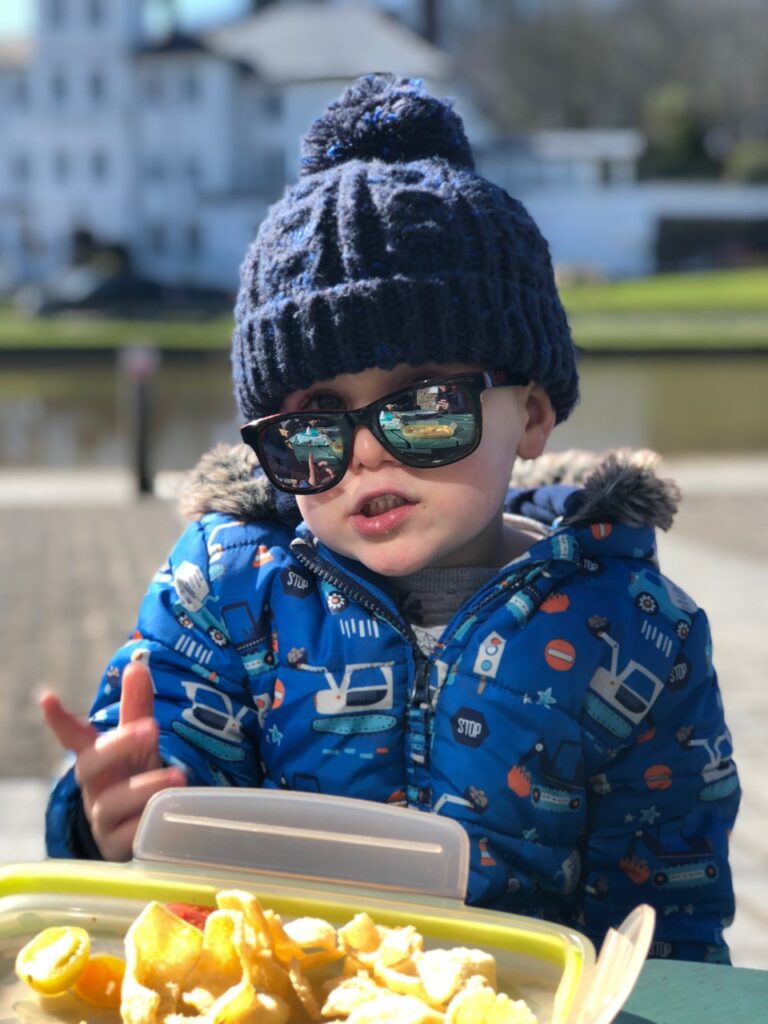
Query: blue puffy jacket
point(569, 718)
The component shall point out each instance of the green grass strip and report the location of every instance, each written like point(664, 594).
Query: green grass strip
point(83, 332)
point(712, 311)
point(710, 291)
point(653, 331)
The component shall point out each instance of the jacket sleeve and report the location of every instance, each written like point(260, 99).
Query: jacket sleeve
point(191, 637)
point(661, 813)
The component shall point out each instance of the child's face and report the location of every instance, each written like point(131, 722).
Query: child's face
point(396, 519)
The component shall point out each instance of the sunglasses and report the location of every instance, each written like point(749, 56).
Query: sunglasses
point(430, 423)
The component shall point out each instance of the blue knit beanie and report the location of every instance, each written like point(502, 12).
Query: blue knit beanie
point(391, 249)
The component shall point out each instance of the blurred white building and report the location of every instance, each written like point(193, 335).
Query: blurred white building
point(172, 149)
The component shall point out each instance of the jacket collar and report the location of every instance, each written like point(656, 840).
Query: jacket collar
point(619, 486)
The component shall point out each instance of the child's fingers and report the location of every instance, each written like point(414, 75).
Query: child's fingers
point(136, 696)
point(115, 815)
point(117, 755)
point(118, 845)
point(74, 733)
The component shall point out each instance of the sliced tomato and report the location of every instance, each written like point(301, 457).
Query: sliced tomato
point(100, 982)
point(52, 961)
point(192, 913)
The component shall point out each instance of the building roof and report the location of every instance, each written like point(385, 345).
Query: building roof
point(306, 42)
point(586, 144)
point(175, 42)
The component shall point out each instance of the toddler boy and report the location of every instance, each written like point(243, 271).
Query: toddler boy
point(361, 615)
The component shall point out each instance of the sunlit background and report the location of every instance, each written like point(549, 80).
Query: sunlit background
point(140, 146)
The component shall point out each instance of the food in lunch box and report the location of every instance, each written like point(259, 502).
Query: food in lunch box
point(59, 959)
point(239, 963)
point(51, 962)
point(100, 982)
point(430, 430)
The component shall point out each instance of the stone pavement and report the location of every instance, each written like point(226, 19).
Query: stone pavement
point(77, 551)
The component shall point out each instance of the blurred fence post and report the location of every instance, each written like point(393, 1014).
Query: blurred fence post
point(138, 364)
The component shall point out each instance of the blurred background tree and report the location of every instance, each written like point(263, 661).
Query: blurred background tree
point(628, 63)
point(676, 137)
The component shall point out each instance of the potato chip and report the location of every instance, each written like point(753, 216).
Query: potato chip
point(398, 944)
point(266, 974)
point(370, 943)
point(283, 946)
point(352, 966)
point(321, 958)
point(139, 1004)
point(219, 966)
point(402, 979)
point(393, 1009)
point(161, 951)
point(312, 933)
point(346, 994)
point(257, 927)
point(445, 971)
point(304, 991)
point(479, 1004)
point(243, 1003)
point(360, 935)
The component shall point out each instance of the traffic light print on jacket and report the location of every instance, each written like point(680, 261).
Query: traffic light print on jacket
point(569, 717)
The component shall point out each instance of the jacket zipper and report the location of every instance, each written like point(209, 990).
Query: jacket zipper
point(326, 570)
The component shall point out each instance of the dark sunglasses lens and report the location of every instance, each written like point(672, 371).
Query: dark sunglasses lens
point(303, 452)
point(431, 425)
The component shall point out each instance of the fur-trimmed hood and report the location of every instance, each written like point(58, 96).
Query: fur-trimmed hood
point(619, 486)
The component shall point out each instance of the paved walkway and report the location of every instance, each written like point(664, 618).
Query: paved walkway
point(77, 552)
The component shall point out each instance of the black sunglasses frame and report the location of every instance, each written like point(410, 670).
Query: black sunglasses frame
point(368, 416)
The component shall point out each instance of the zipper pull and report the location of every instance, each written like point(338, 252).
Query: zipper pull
point(421, 682)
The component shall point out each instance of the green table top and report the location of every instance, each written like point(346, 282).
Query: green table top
point(683, 993)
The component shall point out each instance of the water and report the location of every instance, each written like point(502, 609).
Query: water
point(77, 410)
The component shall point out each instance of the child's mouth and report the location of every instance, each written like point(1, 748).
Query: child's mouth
point(381, 514)
point(384, 503)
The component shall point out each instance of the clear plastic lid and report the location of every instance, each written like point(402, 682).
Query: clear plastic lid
point(308, 836)
point(607, 986)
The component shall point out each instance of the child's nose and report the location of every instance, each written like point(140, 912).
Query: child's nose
point(367, 451)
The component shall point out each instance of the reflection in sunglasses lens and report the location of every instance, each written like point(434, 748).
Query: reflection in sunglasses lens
point(425, 425)
point(304, 451)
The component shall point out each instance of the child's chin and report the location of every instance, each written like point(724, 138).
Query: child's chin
point(395, 564)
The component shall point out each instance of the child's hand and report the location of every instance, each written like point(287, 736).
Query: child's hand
point(117, 771)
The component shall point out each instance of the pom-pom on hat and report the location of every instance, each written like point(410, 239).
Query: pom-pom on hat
point(392, 249)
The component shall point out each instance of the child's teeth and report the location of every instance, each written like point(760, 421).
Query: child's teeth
point(382, 504)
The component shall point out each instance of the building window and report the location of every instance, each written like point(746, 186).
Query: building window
point(155, 168)
point(272, 169)
point(58, 88)
point(96, 12)
point(96, 86)
point(272, 103)
point(56, 12)
point(29, 243)
point(99, 164)
point(192, 169)
point(21, 91)
point(194, 239)
point(190, 87)
point(153, 88)
point(61, 165)
point(158, 239)
point(21, 168)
